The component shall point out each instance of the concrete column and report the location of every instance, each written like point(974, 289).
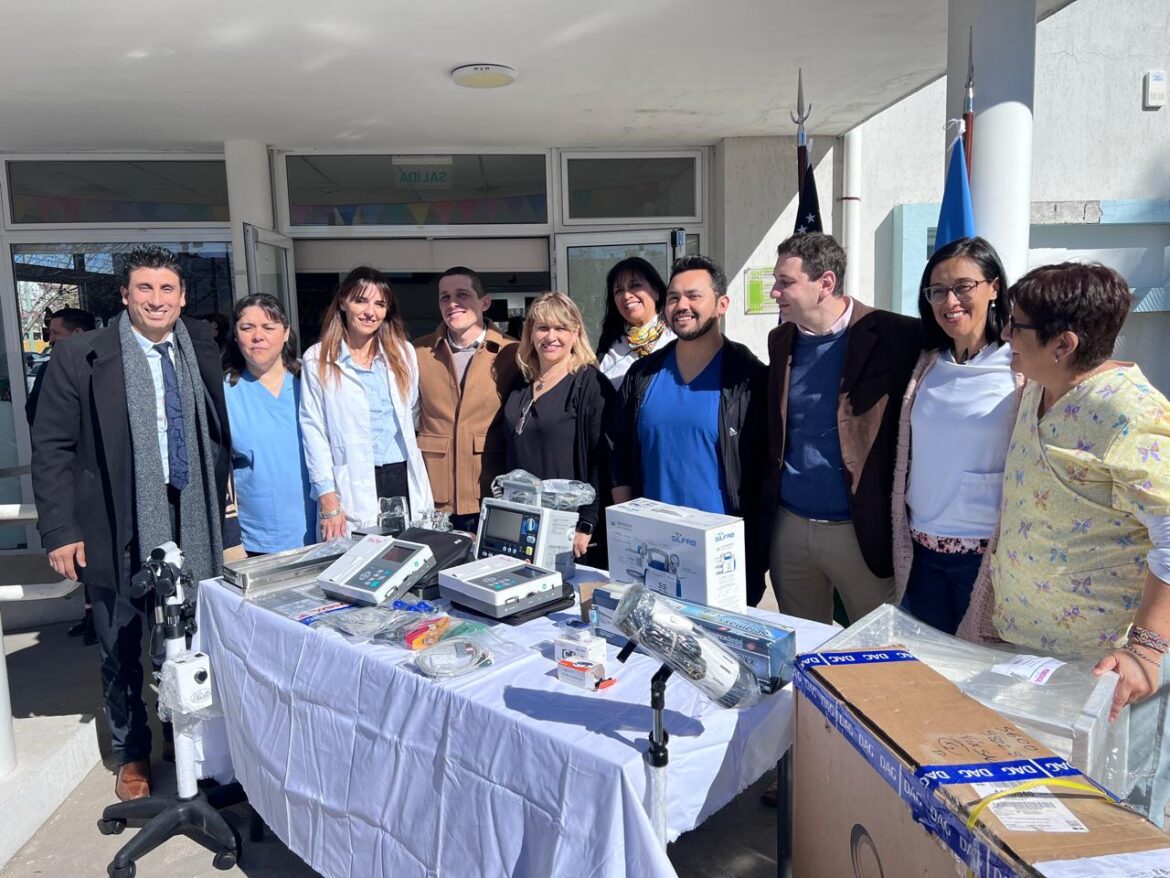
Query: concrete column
point(249, 182)
point(1005, 73)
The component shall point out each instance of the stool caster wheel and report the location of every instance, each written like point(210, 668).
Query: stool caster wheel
point(225, 860)
point(112, 827)
point(126, 871)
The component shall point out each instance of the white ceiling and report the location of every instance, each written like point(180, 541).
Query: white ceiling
point(133, 75)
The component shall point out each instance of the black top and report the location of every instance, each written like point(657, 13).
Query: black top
point(561, 436)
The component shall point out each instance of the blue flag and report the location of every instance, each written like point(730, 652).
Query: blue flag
point(956, 219)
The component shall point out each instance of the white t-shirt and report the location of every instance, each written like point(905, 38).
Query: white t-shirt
point(619, 358)
point(961, 423)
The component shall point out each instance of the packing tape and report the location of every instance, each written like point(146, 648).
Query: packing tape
point(859, 657)
point(1005, 771)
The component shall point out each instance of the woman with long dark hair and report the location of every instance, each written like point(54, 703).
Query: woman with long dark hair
point(263, 392)
point(957, 415)
point(360, 386)
point(632, 326)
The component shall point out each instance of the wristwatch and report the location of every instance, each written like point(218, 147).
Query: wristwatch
point(584, 527)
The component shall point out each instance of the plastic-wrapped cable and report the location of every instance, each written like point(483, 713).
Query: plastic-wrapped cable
point(643, 616)
point(520, 486)
point(453, 658)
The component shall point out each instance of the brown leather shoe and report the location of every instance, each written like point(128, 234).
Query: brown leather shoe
point(133, 780)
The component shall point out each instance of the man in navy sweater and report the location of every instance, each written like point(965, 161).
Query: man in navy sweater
point(837, 373)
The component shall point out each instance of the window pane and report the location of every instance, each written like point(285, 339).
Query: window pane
point(118, 191)
point(618, 188)
point(54, 276)
point(384, 190)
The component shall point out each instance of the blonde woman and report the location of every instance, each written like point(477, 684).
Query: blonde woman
point(555, 412)
point(359, 386)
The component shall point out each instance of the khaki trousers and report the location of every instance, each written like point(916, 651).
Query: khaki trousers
point(809, 559)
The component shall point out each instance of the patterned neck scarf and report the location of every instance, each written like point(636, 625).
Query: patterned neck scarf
point(643, 338)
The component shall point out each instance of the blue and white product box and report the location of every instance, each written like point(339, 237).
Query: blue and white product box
point(679, 552)
point(768, 649)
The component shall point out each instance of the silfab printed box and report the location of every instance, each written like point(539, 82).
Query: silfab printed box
point(679, 552)
point(767, 648)
point(896, 773)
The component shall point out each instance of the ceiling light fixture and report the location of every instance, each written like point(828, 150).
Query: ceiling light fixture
point(483, 75)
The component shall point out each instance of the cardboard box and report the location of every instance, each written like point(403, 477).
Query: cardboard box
point(886, 755)
point(679, 552)
point(769, 650)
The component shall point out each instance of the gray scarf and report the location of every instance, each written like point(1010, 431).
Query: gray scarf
point(200, 537)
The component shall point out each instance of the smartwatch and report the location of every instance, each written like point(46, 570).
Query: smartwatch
point(584, 527)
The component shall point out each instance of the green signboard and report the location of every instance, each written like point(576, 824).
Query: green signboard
point(757, 284)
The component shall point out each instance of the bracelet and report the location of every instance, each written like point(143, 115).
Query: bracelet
point(324, 515)
point(1145, 658)
point(1149, 639)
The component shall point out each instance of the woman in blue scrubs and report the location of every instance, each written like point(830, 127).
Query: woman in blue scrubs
point(268, 459)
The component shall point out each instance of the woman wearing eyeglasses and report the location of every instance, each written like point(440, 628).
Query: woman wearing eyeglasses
point(1082, 564)
point(555, 412)
point(957, 415)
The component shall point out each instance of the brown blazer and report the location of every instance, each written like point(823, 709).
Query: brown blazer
point(879, 356)
point(461, 435)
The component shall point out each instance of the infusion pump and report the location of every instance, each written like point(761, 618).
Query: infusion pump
point(536, 534)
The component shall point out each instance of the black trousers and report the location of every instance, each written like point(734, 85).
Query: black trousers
point(119, 621)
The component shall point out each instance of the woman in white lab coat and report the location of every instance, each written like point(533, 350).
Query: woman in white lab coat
point(359, 387)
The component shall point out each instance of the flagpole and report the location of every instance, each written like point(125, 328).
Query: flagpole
point(969, 102)
point(799, 118)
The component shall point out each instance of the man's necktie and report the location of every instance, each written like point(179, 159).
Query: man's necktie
point(176, 441)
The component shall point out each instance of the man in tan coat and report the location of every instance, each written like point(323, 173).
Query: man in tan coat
point(465, 373)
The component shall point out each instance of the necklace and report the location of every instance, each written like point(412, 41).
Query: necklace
point(545, 379)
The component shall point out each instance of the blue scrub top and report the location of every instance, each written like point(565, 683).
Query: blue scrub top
point(276, 512)
point(678, 431)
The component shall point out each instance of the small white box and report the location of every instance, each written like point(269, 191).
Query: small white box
point(583, 646)
point(1154, 89)
point(679, 552)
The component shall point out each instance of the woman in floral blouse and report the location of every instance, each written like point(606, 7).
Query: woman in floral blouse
point(1082, 564)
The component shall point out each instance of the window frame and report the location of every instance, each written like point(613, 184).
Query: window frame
point(7, 221)
point(698, 154)
point(469, 230)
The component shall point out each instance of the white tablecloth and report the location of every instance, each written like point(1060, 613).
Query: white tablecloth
point(365, 768)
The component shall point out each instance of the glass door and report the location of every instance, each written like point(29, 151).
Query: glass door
point(268, 258)
point(583, 260)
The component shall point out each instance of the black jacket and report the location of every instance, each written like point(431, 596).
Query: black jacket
point(742, 446)
point(81, 453)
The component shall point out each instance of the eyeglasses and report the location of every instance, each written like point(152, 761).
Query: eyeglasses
point(1014, 324)
point(937, 294)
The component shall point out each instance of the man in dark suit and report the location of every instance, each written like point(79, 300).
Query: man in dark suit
point(837, 373)
point(131, 449)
